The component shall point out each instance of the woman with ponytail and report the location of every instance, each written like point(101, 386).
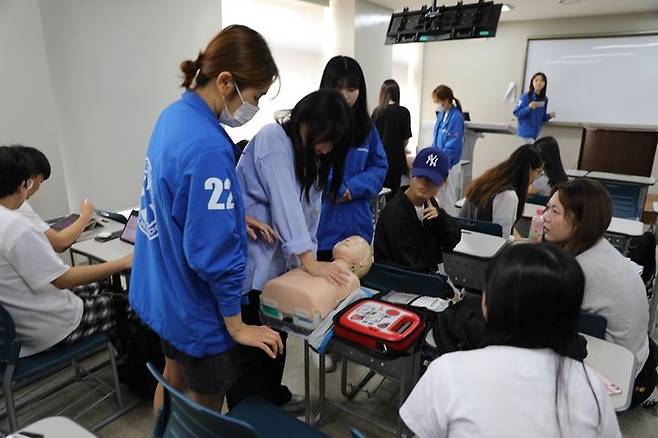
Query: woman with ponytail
point(191, 247)
point(449, 137)
point(528, 380)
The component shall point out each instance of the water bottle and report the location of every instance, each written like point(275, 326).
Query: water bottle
point(537, 227)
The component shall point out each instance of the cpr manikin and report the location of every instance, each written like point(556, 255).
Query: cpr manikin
point(301, 300)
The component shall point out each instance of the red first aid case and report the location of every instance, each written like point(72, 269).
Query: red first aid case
point(379, 326)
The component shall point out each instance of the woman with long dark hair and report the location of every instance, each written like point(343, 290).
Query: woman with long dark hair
point(349, 213)
point(528, 380)
point(532, 109)
point(553, 170)
point(576, 217)
point(393, 122)
point(499, 194)
point(283, 172)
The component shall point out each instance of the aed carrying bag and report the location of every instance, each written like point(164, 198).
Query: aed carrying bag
point(376, 326)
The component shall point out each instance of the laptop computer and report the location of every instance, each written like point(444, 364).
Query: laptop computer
point(129, 232)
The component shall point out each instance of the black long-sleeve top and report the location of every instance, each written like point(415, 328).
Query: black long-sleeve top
point(401, 239)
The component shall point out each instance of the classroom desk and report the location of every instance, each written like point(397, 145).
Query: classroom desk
point(576, 173)
point(628, 192)
point(54, 427)
point(615, 363)
point(102, 251)
point(473, 131)
point(466, 264)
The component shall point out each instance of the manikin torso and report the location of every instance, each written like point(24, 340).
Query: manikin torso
point(304, 299)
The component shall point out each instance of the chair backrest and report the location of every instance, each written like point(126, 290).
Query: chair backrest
point(181, 416)
point(593, 325)
point(537, 199)
point(10, 345)
point(385, 278)
point(480, 226)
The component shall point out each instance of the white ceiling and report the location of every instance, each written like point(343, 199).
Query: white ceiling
point(542, 9)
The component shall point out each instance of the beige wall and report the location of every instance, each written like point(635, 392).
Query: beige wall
point(479, 72)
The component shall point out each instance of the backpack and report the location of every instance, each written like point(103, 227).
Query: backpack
point(136, 344)
point(642, 250)
point(460, 327)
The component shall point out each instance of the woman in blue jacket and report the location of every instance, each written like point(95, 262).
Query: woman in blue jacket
point(532, 109)
point(191, 248)
point(349, 213)
point(449, 137)
point(283, 172)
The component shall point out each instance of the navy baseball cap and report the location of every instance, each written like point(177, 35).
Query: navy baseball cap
point(431, 163)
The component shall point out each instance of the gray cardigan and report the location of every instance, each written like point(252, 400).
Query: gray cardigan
point(614, 289)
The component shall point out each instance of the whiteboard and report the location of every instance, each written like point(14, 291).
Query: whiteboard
point(609, 80)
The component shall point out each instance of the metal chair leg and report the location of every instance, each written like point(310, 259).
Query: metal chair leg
point(9, 398)
point(115, 373)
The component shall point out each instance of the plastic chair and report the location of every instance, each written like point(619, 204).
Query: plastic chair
point(17, 372)
point(385, 278)
point(593, 325)
point(480, 226)
point(253, 418)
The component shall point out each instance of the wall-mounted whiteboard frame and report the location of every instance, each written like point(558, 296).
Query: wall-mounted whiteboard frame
point(603, 111)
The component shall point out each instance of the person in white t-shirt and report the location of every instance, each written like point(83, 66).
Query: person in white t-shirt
point(529, 379)
point(34, 282)
point(40, 172)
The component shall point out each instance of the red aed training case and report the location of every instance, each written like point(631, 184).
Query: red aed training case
point(379, 326)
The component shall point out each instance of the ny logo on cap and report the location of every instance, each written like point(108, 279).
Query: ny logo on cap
point(431, 160)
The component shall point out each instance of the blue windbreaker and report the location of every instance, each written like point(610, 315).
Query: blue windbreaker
point(191, 247)
point(449, 134)
point(530, 121)
point(365, 169)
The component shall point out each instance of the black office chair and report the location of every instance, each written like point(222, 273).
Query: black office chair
point(593, 325)
point(480, 226)
point(383, 277)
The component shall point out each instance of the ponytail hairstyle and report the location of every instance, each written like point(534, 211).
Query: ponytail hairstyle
point(237, 49)
point(443, 92)
point(531, 89)
point(513, 172)
point(389, 92)
point(345, 72)
point(328, 118)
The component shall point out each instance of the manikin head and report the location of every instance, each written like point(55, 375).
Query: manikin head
point(355, 251)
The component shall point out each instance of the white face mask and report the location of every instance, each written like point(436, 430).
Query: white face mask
point(439, 107)
point(242, 115)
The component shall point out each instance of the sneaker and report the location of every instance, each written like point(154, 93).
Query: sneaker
point(297, 403)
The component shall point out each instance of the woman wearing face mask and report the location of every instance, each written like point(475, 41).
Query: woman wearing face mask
point(283, 172)
point(532, 109)
point(191, 247)
point(449, 137)
point(349, 213)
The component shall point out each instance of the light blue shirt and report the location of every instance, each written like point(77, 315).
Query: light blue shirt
point(273, 195)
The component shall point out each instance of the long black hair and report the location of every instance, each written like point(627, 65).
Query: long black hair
point(389, 92)
point(345, 72)
point(533, 294)
point(327, 118)
point(531, 89)
point(550, 152)
point(513, 172)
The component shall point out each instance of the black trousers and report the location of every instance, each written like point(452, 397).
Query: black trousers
point(260, 375)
